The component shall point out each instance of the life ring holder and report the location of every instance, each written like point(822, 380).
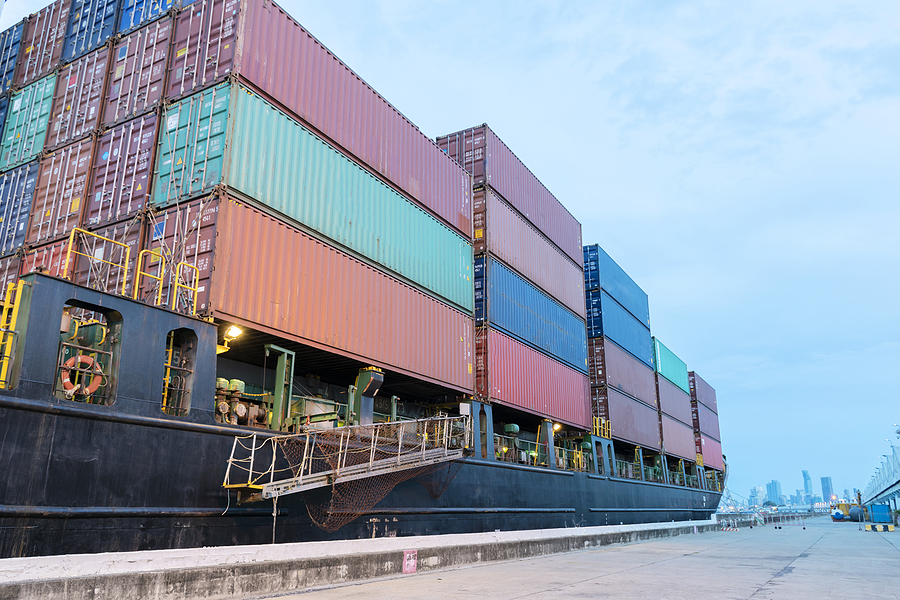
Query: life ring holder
point(70, 388)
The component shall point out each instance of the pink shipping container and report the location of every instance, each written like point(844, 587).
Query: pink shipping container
point(705, 421)
point(678, 438)
point(122, 171)
point(609, 365)
point(493, 164)
point(513, 374)
point(500, 230)
point(60, 193)
point(631, 421)
point(79, 98)
point(702, 392)
point(266, 48)
point(137, 71)
point(259, 271)
point(673, 401)
point(42, 43)
point(711, 450)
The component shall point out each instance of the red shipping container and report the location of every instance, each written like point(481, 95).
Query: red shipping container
point(60, 193)
point(493, 164)
point(673, 401)
point(609, 365)
point(705, 420)
point(79, 98)
point(630, 421)
point(514, 374)
point(48, 258)
point(122, 171)
point(10, 267)
point(711, 450)
point(262, 272)
point(500, 230)
point(42, 43)
point(137, 71)
point(266, 48)
point(678, 438)
point(101, 270)
point(702, 392)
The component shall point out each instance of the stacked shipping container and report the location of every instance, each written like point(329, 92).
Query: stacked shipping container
point(529, 301)
point(706, 422)
point(674, 402)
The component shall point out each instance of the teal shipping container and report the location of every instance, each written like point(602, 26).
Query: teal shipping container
point(227, 135)
point(670, 366)
point(26, 122)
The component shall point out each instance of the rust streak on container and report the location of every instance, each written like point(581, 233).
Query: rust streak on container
point(60, 194)
point(42, 42)
point(137, 71)
point(79, 98)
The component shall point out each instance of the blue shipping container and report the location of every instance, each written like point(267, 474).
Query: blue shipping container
point(91, 23)
point(606, 317)
point(602, 272)
point(513, 305)
point(16, 193)
point(10, 41)
point(137, 13)
point(881, 513)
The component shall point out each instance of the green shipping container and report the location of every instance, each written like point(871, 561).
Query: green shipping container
point(229, 135)
point(26, 122)
point(670, 366)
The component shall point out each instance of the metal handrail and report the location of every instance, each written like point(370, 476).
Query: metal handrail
point(84, 232)
point(141, 273)
point(179, 275)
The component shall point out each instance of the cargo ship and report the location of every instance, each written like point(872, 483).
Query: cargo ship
point(246, 301)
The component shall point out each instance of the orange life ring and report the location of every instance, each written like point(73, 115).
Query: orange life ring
point(81, 389)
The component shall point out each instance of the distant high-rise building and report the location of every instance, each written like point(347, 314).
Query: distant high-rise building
point(807, 483)
point(754, 497)
point(827, 489)
point(847, 495)
point(773, 491)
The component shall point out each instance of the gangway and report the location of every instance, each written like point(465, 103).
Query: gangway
point(266, 467)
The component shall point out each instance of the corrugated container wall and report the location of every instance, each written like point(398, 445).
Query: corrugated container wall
point(61, 192)
point(137, 71)
point(79, 98)
point(16, 195)
point(281, 59)
point(711, 451)
point(512, 373)
point(630, 421)
point(228, 135)
point(135, 13)
point(508, 302)
point(492, 163)
point(91, 23)
point(121, 171)
point(702, 392)
point(261, 271)
point(609, 365)
point(705, 421)
point(673, 401)
point(45, 36)
point(10, 46)
point(51, 258)
point(10, 266)
point(105, 276)
point(4, 107)
point(503, 232)
point(667, 364)
point(678, 438)
point(602, 272)
point(26, 123)
point(607, 318)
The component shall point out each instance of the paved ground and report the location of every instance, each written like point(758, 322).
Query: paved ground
point(826, 560)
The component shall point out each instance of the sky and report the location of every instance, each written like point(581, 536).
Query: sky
point(741, 161)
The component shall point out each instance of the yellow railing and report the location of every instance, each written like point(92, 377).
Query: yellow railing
point(71, 250)
point(179, 275)
point(602, 428)
point(10, 314)
point(158, 278)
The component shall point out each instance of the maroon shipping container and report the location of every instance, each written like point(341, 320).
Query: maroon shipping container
point(705, 421)
point(493, 164)
point(500, 230)
point(137, 71)
point(78, 100)
point(60, 193)
point(266, 48)
point(609, 365)
point(702, 392)
point(10, 267)
point(262, 272)
point(678, 438)
point(121, 171)
point(630, 420)
point(101, 270)
point(512, 373)
point(42, 43)
point(673, 401)
point(48, 258)
point(711, 450)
